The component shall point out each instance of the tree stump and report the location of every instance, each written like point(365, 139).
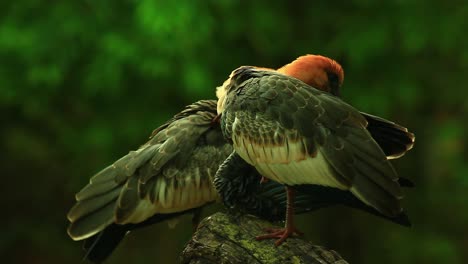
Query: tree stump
point(223, 238)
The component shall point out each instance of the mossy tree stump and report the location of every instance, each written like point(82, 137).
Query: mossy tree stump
point(223, 238)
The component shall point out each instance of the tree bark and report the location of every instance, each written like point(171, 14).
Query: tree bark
point(223, 238)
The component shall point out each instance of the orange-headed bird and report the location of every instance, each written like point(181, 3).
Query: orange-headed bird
point(293, 128)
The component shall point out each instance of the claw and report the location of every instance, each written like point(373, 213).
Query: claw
point(281, 233)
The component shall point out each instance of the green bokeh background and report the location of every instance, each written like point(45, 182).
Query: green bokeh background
point(83, 82)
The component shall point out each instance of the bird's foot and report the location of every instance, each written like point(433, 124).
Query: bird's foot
point(280, 233)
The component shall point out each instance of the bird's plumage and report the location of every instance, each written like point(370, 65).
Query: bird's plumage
point(236, 181)
point(295, 134)
point(171, 174)
point(393, 139)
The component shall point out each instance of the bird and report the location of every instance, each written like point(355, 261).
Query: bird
point(171, 175)
point(294, 129)
point(168, 176)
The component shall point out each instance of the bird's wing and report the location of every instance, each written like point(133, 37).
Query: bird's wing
point(295, 134)
point(240, 189)
point(170, 173)
point(395, 140)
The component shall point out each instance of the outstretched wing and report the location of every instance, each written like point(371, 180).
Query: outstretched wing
point(295, 134)
point(171, 173)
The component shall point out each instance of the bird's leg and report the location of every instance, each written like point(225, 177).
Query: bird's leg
point(289, 229)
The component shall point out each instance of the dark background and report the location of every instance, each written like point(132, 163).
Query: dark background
point(84, 82)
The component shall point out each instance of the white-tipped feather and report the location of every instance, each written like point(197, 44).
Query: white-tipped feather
point(170, 195)
point(162, 193)
point(282, 154)
point(261, 153)
point(177, 199)
point(157, 187)
point(252, 151)
point(311, 170)
point(288, 164)
point(197, 177)
point(184, 195)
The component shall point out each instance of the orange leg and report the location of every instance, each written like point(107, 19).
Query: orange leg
point(289, 229)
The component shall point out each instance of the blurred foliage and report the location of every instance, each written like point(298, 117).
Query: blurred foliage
point(83, 82)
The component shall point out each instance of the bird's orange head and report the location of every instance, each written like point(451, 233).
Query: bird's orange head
point(317, 71)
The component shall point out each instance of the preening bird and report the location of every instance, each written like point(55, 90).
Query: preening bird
point(294, 129)
point(172, 175)
point(168, 176)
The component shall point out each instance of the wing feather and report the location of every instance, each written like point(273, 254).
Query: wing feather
point(323, 124)
point(395, 140)
point(160, 177)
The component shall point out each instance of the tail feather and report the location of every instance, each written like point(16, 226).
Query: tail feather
point(272, 201)
point(95, 189)
point(372, 194)
point(375, 182)
point(395, 140)
point(312, 197)
point(95, 207)
point(86, 207)
point(105, 175)
point(99, 247)
point(96, 202)
point(404, 182)
point(93, 223)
